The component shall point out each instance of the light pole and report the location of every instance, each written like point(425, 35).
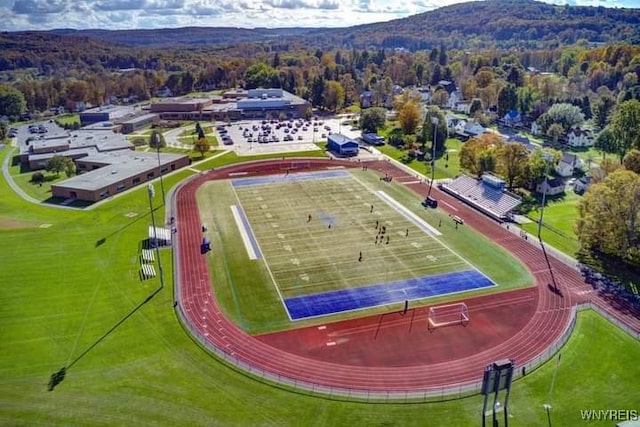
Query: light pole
point(547, 158)
point(434, 122)
point(151, 191)
point(157, 141)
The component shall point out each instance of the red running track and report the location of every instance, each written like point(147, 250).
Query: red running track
point(385, 353)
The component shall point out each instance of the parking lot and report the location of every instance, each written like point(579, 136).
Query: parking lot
point(272, 136)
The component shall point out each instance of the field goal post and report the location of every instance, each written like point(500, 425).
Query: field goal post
point(447, 315)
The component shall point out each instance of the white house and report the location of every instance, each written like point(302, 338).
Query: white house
point(577, 137)
point(466, 129)
point(581, 185)
point(535, 128)
point(568, 164)
point(551, 186)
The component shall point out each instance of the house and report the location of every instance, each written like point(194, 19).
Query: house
point(366, 99)
point(551, 187)
point(568, 164)
point(424, 93)
point(462, 107)
point(372, 139)
point(535, 129)
point(581, 185)
point(513, 139)
point(577, 137)
point(511, 119)
point(465, 129)
point(454, 98)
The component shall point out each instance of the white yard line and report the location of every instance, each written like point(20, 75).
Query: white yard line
point(243, 233)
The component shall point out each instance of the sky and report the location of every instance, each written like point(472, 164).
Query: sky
point(19, 15)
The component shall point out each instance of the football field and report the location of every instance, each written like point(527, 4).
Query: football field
point(332, 244)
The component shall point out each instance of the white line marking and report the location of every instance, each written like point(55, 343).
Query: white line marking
point(243, 233)
point(445, 203)
point(322, 327)
point(330, 343)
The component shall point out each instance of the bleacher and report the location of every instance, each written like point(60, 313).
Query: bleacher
point(147, 258)
point(485, 195)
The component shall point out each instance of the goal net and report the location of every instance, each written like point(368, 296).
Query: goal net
point(449, 314)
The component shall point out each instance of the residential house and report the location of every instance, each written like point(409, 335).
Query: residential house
point(581, 185)
point(513, 139)
point(511, 119)
point(366, 99)
point(577, 137)
point(568, 164)
point(535, 129)
point(551, 187)
point(466, 129)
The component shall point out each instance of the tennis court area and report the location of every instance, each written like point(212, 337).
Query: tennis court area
point(332, 244)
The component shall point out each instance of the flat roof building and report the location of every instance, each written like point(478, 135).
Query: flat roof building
point(342, 145)
point(102, 175)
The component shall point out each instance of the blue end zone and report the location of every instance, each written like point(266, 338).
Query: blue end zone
point(249, 230)
point(376, 295)
point(261, 180)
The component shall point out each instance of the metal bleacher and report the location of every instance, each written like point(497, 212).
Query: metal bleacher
point(487, 198)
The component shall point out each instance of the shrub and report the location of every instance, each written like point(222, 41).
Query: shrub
point(37, 177)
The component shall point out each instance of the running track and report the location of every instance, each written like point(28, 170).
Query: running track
point(368, 355)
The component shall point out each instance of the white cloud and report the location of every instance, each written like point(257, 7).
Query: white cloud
point(129, 14)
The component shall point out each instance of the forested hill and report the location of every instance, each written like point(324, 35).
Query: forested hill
point(491, 23)
point(501, 23)
point(187, 36)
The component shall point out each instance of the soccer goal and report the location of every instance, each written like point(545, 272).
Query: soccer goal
point(449, 314)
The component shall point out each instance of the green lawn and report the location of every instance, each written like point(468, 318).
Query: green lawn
point(304, 258)
point(445, 168)
point(69, 283)
point(558, 220)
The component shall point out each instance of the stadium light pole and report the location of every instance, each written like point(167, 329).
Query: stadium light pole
point(434, 122)
point(547, 158)
point(157, 141)
point(151, 191)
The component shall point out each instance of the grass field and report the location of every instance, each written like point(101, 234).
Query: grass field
point(558, 221)
point(307, 258)
point(61, 293)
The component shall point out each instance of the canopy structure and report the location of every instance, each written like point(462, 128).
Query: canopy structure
point(160, 236)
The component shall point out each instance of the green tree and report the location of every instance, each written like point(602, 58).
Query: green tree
point(631, 161)
point(602, 109)
point(12, 101)
point(512, 163)
point(4, 130)
point(156, 140)
point(507, 99)
point(434, 114)
point(609, 217)
point(540, 162)
point(373, 119)
point(58, 164)
point(262, 75)
point(409, 116)
point(625, 126)
point(605, 141)
point(564, 114)
point(476, 105)
point(202, 145)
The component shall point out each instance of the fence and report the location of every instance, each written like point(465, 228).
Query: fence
point(448, 392)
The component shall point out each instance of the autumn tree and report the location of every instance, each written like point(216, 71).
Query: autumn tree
point(609, 217)
point(333, 95)
point(625, 126)
point(480, 154)
point(372, 119)
point(202, 145)
point(555, 132)
point(409, 117)
point(631, 161)
point(512, 163)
